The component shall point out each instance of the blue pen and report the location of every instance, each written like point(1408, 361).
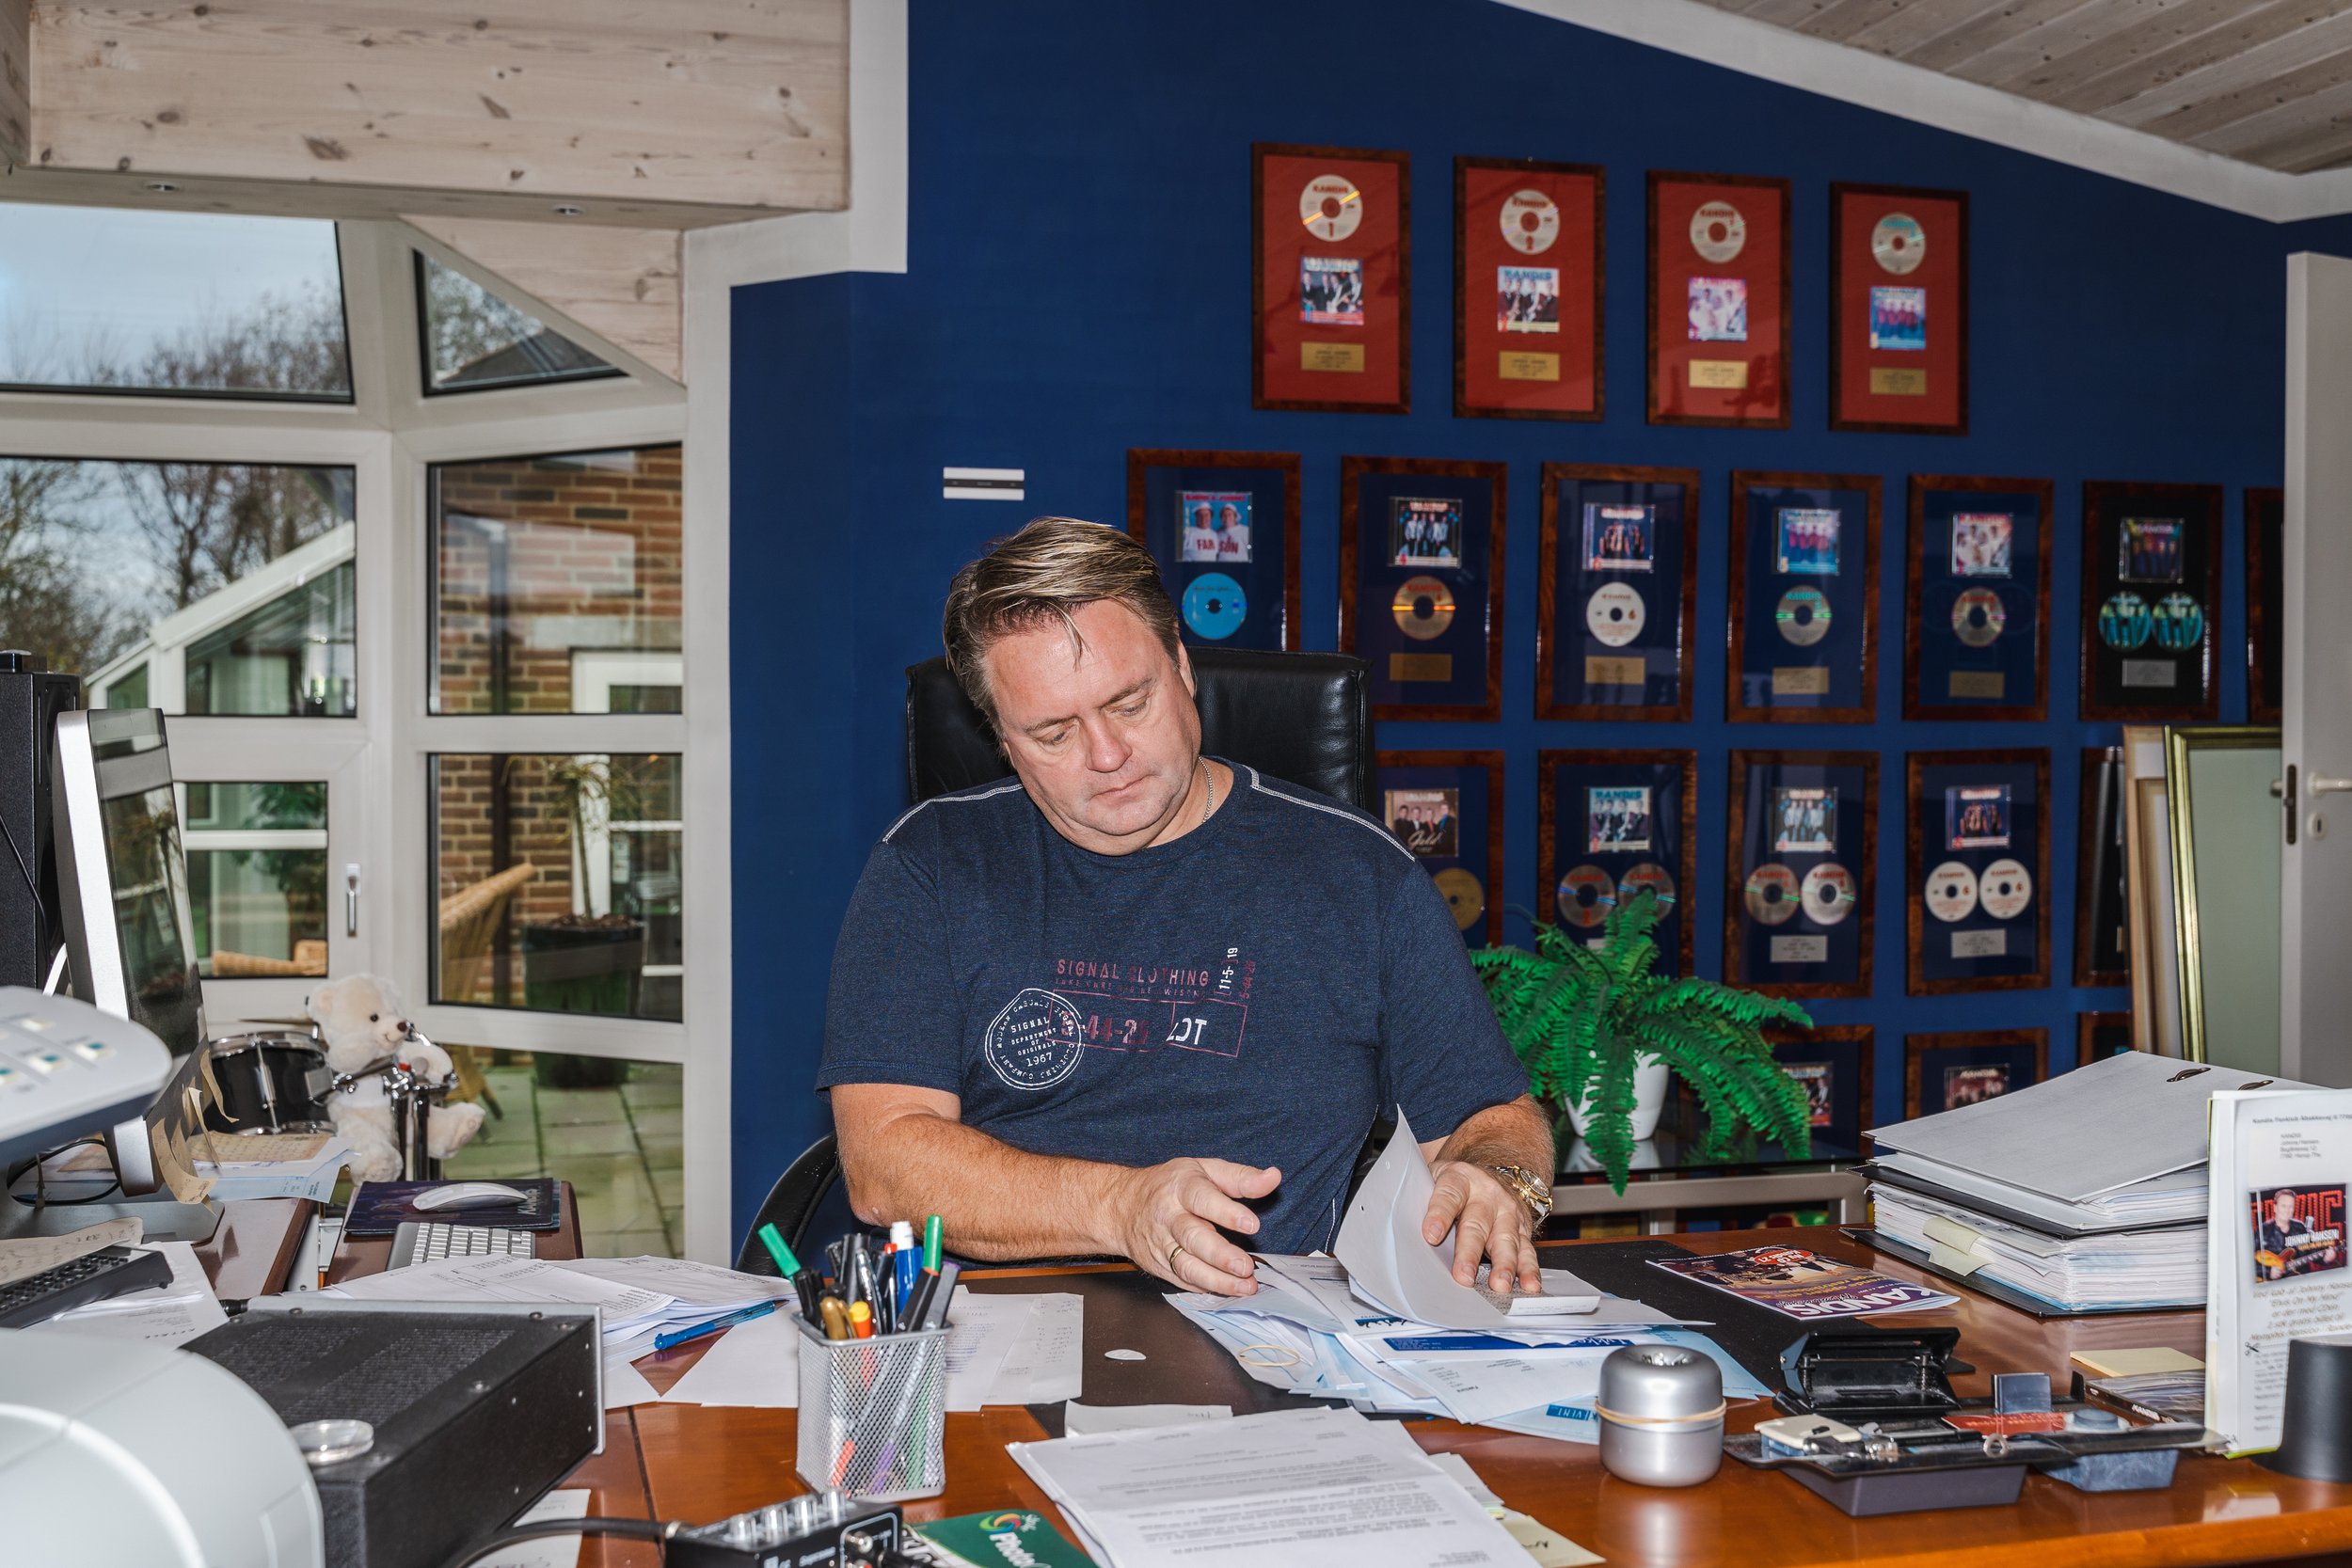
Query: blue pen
point(663, 1341)
point(905, 1260)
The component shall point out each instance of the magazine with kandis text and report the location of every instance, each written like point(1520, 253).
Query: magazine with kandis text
point(2276, 1249)
point(1805, 1285)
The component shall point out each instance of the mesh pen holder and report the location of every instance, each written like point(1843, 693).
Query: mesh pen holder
point(873, 1414)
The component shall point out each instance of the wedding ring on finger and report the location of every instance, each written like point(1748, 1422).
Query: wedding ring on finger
point(1173, 1253)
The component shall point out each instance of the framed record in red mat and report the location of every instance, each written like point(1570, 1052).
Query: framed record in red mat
point(1898, 309)
point(1331, 269)
point(1718, 300)
point(1527, 290)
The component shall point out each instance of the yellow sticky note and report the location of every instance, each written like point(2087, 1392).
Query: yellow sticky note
point(2131, 1363)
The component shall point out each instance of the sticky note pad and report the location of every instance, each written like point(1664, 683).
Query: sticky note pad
point(2131, 1363)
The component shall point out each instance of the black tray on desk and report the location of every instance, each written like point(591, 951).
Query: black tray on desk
point(2007, 1295)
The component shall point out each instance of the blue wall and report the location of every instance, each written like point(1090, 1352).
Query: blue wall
point(1079, 284)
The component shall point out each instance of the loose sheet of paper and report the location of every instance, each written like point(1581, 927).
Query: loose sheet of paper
point(23, 1256)
point(1044, 1364)
point(167, 1315)
point(497, 1278)
point(705, 1284)
point(1084, 1420)
point(547, 1551)
point(624, 1386)
point(271, 1149)
point(1294, 1489)
point(755, 1364)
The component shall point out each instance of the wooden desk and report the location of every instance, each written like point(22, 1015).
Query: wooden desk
point(702, 1463)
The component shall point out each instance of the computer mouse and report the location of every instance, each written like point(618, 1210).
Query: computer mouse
point(466, 1195)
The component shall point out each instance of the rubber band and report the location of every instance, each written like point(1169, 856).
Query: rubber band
point(1242, 1356)
point(1698, 1416)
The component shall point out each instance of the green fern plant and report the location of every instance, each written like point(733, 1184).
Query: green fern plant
point(1582, 1018)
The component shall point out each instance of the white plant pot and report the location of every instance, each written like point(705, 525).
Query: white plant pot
point(1649, 1100)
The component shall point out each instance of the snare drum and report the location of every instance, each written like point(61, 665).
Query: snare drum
point(273, 1081)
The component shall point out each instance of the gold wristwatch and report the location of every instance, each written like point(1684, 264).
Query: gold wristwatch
point(1528, 1188)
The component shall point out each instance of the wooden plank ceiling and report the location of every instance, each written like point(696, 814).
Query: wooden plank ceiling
point(2266, 82)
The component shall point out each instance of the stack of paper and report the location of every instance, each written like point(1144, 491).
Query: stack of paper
point(1296, 1489)
point(170, 1314)
point(1305, 1332)
point(1005, 1350)
point(277, 1164)
point(2084, 1192)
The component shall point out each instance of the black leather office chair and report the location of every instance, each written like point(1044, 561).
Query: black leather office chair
point(1302, 717)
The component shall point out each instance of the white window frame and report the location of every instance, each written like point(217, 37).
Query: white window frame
point(378, 765)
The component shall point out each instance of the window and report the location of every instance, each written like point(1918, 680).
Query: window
point(204, 587)
point(257, 877)
point(198, 304)
point(474, 341)
point(560, 883)
point(554, 579)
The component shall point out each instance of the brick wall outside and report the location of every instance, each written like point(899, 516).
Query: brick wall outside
point(583, 539)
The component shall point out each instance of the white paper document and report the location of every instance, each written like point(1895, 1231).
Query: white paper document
point(624, 1386)
point(547, 1551)
point(1294, 1489)
point(1086, 1420)
point(169, 1314)
point(1389, 1264)
point(2277, 1255)
point(757, 1363)
point(1013, 1349)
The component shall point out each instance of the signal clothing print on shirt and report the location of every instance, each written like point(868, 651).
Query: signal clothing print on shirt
point(1259, 990)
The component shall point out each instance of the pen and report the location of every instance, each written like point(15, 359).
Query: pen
point(903, 1241)
point(886, 1296)
point(663, 1341)
point(861, 1320)
point(919, 1300)
point(803, 1278)
point(943, 1295)
point(834, 1316)
point(933, 1237)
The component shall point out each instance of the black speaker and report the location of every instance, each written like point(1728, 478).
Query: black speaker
point(2316, 1430)
point(30, 700)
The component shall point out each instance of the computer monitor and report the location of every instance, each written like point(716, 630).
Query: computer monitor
point(122, 878)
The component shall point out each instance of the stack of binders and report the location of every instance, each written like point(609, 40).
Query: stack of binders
point(2085, 1194)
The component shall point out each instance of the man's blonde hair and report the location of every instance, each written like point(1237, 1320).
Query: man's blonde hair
point(1044, 574)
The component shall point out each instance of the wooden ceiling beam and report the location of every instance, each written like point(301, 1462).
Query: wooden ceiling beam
point(633, 112)
point(1912, 26)
point(1994, 26)
point(622, 284)
point(2229, 30)
point(2211, 114)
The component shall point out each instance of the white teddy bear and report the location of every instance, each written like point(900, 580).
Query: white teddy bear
point(362, 1020)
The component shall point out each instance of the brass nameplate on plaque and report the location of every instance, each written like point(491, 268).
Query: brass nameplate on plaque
point(1720, 376)
point(1331, 356)
point(1981, 945)
point(1979, 683)
point(1421, 667)
point(1799, 950)
point(1604, 671)
point(1887, 381)
point(1795, 682)
point(1513, 366)
point(2151, 671)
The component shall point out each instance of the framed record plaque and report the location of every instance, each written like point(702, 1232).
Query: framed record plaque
point(1797, 915)
point(2265, 604)
point(1718, 300)
point(1224, 528)
point(1942, 1072)
point(1978, 849)
point(2152, 601)
point(1527, 290)
point(2099, 1036)
point(1420, 584)
point(1446, 807)
point(1330, 273)
point(1609, 824)
point(2102, 937)
point(1898, 309)
point(1804, 598)
point(1831, 1064)
point(1977, 631)
point(1617, 601)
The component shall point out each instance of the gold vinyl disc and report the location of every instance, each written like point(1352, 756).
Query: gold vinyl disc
point(1464, 895)
point(1424, 607)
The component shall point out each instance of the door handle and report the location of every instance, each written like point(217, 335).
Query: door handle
point(351, 898)
point(2319, 786)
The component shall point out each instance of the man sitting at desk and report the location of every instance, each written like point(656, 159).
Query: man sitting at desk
point(1140, 1000)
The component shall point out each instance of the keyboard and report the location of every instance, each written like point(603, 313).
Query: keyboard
point(429, 1240)
point(100, 1275)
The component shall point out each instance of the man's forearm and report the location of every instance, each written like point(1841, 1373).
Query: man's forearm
point(1518, 1133)
point(994, 1200)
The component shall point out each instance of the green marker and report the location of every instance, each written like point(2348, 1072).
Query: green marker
point(931, 1236)
point(804, 1282)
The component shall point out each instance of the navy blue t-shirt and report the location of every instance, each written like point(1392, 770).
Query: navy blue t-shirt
point(1256, 991)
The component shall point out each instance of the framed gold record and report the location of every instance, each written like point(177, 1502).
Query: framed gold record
point(1420, 584)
